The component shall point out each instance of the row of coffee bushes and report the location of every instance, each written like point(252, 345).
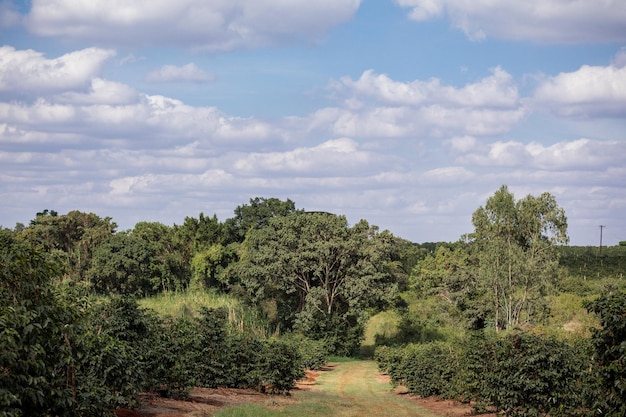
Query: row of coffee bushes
point(522, 374)
point(66, 354)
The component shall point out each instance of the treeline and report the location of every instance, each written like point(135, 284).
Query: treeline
point(72, 336)
point(594, 262)
point(308, 272)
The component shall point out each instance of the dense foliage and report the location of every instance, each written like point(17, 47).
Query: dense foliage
point(471, 318)
point(610, 348)
point(51, 362)
point(62, 354)
point(519, 374)
point(319, 274)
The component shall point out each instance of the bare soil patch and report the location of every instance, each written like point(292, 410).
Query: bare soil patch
point(200, 403)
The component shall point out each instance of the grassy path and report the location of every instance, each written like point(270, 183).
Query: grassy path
point(351, 388)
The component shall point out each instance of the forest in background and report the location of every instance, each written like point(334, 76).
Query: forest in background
point(281, 288)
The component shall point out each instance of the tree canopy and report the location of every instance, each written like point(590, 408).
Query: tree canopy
point(318, 274)
point(499, 273)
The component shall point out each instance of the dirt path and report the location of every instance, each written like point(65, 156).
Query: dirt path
point(366, 393)
point(343, 389)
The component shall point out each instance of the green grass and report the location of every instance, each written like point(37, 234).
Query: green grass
point(189, 303)
point(306, 404)
point(351, 389)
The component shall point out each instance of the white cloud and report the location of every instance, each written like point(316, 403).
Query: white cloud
point(580, 154)
point(463, 143)
point(29, 71)
point(165, 183)
point(590, 91)
point(333, 157)
point(330, 158)
point(447, 175)
point(101, 92)
point(185, 73)
point(423, 9)
point(561, 21)
point(117, 114)
point(377, 106)
point(414, 122)
point(496, 90)
point(212, 25)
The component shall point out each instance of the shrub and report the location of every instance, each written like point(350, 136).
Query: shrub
point(51, 362)
point(610, 346)
point(313, 353)
point(530, 375)
point(281, 366)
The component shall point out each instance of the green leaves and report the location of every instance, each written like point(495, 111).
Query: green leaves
point(51, 363)
point(610, 346)
point(321, 274)
point(519, 374)
point(515, 242)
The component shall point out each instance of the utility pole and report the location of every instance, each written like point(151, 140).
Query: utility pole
point(601, 227)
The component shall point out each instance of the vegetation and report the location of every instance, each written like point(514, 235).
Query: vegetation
point(318, 275)
point(507, 317)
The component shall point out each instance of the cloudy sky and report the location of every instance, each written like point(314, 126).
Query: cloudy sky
point(407, 113)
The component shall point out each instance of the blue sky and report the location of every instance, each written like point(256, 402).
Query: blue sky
point(407, 113)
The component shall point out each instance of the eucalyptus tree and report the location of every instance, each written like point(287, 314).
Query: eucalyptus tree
point(518, 259)
point(318, 274)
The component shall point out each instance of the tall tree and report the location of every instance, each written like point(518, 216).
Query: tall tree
point(319, 273)
point(451, 275)
point(123, 265)
point(169, 262)
point(516, 242)
point(201, 233)
point(256, 215)
point(72, 238)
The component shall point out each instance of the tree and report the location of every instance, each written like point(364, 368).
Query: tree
point(256, 215)
point(319, 274)
point(208, 265)
point(516, 242)
point(72, 238)
point(169, 262)
point(123, 265)
point(451, 275)
point(199, 234)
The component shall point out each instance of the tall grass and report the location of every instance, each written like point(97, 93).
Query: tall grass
point(189, 303)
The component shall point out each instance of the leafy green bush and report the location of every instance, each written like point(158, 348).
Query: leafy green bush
point(519, 374)
point(425, 369)
point(51, 362)
point(173, 359)
point(314, 353)
point(281, 366)
point(610, 346)
point(529, 375)
point(204, 351)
